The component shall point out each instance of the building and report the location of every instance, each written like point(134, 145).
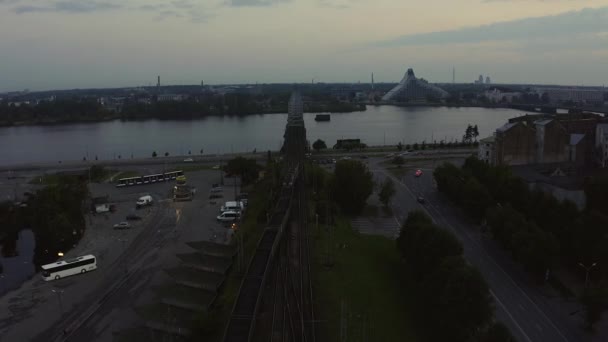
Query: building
point(572, 94)
point(170, 97)
point(488, 81)
point(414, 89)
point(486, 150)
point(601, 144)
point(498, 95)
point(546, 139)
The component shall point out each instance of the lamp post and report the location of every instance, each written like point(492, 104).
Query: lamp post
point(59, 293)
point(588, 269)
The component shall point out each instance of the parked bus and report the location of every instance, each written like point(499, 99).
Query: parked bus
point(66, 268)
point(149, 179)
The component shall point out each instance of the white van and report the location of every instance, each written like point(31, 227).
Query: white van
point(232, 206)
point(144, 200)
point(229, 216)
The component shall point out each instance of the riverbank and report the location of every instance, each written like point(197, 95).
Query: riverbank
point(144, 116)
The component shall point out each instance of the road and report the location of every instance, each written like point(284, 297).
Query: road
point(519, 304)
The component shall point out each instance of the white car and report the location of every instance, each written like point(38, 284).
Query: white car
point(122, 225)
point(188, 160)
point(229, 216)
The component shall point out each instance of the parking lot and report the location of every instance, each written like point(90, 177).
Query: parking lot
point(150, 244)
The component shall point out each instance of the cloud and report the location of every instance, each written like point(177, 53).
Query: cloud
point(568, 24)
point(254, 3)
point(69, 7)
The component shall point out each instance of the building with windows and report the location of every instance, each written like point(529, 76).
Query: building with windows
point(486, 150)
point(601, 144)
point(414, 89)
point(571, 94)
point(549, 139)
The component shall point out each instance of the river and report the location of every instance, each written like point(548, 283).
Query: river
point(16, 260)
point(377, 125)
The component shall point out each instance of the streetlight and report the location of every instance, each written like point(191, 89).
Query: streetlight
point(59, 293)
point(587, 269)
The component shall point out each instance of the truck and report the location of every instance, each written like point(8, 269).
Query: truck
point(144, 201)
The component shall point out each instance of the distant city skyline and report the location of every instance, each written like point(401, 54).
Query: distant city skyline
point(67, 44)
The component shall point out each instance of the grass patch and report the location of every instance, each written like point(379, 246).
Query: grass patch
point(561, 288)
point(398, 172)
point(126, 174)
point(370, 210)
point(364, 286)
point(192, 168)
point(47, 179)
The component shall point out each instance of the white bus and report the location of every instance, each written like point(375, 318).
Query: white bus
point(66, 268)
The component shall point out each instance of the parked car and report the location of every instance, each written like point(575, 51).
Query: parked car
point(233, 206)
point(133, 217)
point(188, 160)
point(144, 200)
point(418, 173)
point(421, 200)
point(229, 216)
point(122, 225)
point(244, 198)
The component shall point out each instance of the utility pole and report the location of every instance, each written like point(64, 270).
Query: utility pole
point(587, 274)
point(59, 293)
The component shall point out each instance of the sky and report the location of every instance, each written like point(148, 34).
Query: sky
point(65, 44)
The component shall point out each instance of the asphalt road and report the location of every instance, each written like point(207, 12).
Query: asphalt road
point(519, 303)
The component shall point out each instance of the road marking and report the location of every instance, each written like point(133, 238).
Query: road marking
point(488, 257)
point(510, 316)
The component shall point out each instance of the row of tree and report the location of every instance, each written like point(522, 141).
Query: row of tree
point(540, 231)
point(55, 214)
point(454, 300)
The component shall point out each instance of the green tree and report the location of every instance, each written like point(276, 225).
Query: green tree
point(351, 185)
point(97, 173)
point(497, 332)
point(387, 191)
point(400, 146)
point(457, 301)
point(247, 169)
point(153, 155)
point(319, 145)
point(475, 132)
point(166, 154)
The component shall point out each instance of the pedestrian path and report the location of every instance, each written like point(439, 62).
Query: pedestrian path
point(384, 226)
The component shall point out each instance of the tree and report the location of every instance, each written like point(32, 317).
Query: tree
point(351, 185)
point(319, 145)
point(400, 146)
point(475, 132)
point(457, 301)
point(201, 151)
point(468, 135)
point(247, 169)
point(153, 155)
point(166, 154)
point(387, 192)
point(497, 332)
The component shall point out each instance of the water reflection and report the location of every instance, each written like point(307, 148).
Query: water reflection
point(16, 260)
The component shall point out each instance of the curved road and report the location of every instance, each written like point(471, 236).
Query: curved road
point(519, 304)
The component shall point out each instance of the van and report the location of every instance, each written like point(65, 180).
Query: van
point(144, 200)
point(232, 206)
point(229, 216)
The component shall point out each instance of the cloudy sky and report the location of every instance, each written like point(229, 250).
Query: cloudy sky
point(58, 44)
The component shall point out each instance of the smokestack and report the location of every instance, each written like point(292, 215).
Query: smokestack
point(372, 81)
